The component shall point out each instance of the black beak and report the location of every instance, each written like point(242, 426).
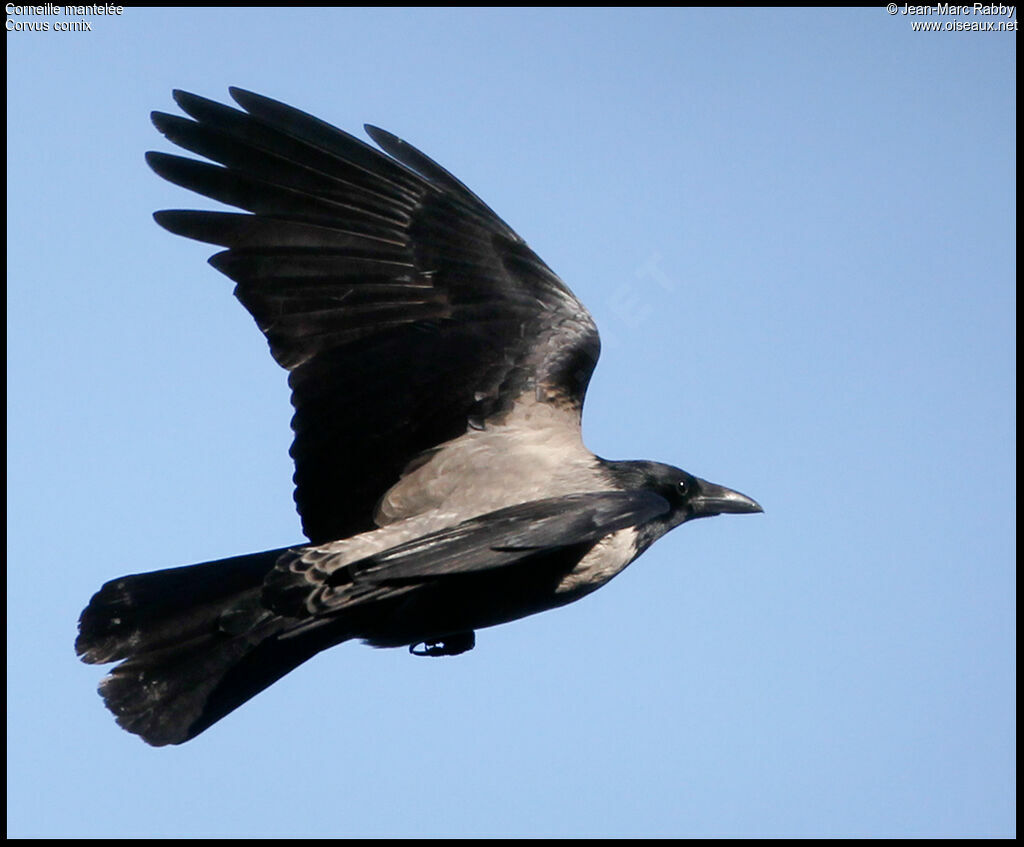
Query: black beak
point(711, 499)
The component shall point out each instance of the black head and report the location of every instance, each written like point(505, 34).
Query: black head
point(689, 496)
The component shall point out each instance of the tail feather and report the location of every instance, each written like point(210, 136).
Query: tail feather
point(138, 613)
point(197, 643)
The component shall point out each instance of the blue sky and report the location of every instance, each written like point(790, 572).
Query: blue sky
point(796, 231)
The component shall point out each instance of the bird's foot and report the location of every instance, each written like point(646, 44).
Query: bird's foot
point(450, 645)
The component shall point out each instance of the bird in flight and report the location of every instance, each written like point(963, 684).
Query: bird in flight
point(438, 369)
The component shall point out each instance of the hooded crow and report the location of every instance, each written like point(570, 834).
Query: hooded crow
point(438, 369)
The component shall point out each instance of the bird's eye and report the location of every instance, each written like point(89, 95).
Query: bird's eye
point(683, 487)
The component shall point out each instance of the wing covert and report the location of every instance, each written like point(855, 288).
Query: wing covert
point(311, 582)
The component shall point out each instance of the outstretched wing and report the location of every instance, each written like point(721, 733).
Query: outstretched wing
point(311, 582)
point(405, 310)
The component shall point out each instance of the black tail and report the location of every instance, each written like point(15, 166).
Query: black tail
point(197, 643)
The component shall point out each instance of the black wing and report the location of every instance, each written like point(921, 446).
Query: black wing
point(404, 308)
point(309, 583)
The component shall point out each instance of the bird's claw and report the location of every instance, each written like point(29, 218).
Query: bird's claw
point(450, 645)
